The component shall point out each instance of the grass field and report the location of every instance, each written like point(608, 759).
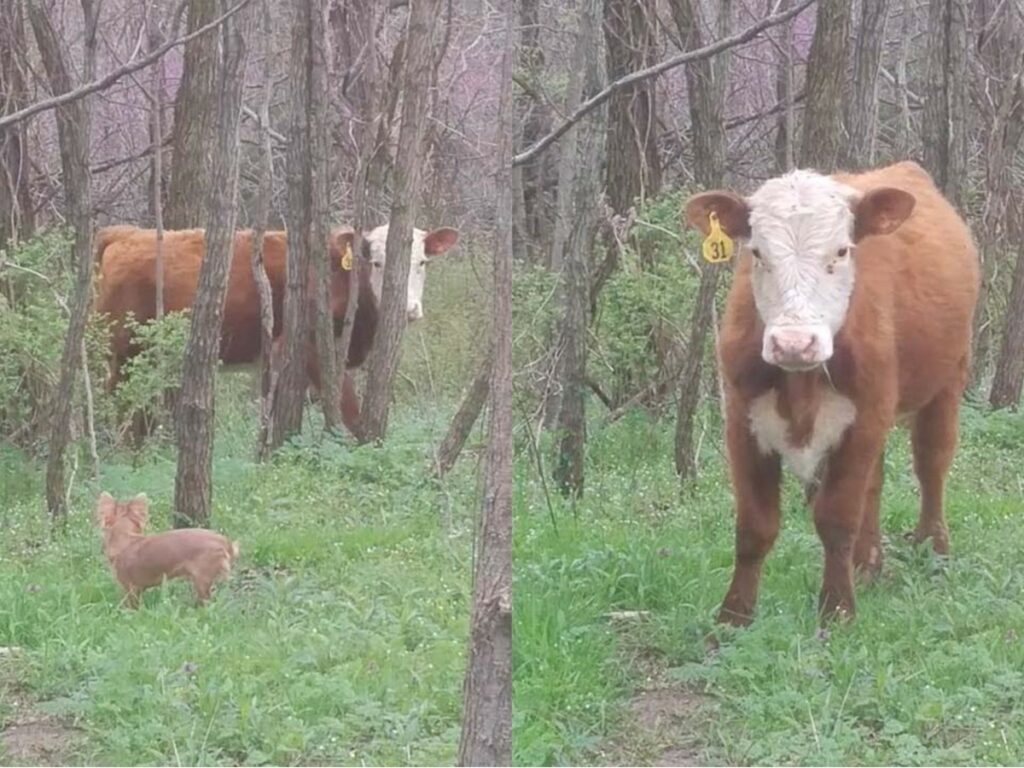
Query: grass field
point(930, 672)
point(340, 637)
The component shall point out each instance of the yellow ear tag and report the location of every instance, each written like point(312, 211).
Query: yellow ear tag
point(717, 246)
point(346, 258)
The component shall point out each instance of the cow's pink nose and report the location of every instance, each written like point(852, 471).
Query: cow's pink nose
point(794, 346)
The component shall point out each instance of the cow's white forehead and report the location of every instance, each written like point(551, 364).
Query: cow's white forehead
point(378, 239)
point(801, 212)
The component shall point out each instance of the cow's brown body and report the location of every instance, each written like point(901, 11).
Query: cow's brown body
point(126, 260)
point(903, 349)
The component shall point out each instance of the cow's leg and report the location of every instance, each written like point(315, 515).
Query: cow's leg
point(755, 478)
point(838, 511)
point(867, 551)
point(934, 437)
point(349, 403)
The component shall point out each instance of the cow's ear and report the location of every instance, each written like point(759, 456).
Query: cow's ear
point(733, 212)
point(440, 240)
point(106, 510)
point(341, 240)
point(880, 211)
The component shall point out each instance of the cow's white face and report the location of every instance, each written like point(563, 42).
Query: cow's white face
point(425, 246)
point(802, 229)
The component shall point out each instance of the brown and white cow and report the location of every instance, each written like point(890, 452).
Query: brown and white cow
point(851, 306)
point(126, 260)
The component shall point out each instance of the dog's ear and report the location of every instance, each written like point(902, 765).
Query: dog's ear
point(138, 510)
point(106, 510)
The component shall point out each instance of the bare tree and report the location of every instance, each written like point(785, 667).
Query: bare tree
point(156, 135)
point(634, 167)
point(16, 215)
point(465, 417)
point(785, 132)
point(579, 192)
point(487, 711)
point(862, 108)
point(943, 125)
point(264, 183)
point(194, 113)
point(192, 490)
point(706, 82)
point(1009, 376)
point(73, 126)
point(826, 70)
point(417, 78)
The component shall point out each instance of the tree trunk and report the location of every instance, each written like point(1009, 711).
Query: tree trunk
point(264, 191)
point(195, 109)
point(707, 87)
point(826, 70)
point(317, 173)
point(533, 222)
point(195, 416)
point(905, 133)
point(578, 218)
point(634, 165)
point(943, 122)
point(785, 132)
point(73, 126)
point(487, 712)
point(464, 419)
point(862, 109)
point(17, 220)
point(417, 77)
point(1009, 376)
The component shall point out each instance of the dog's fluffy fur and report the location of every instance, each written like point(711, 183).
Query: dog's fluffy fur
point(139, 561)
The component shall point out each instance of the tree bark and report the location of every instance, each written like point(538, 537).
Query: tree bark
point(487, 713)
point(862, 109)
point(195, 417)
point(316, 173)
point(73, 127)
point(785, 132)
point(465, 417)
point(264, 191)
point(706, 86)
point(417, 79)
point(826, 70)
point(17, 220)
point(578, 215)
point(1009, 376)
point(634, 165)
point(943, 122)
point(157, 169)
point(194, 114)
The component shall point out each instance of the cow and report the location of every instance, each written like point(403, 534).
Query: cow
point(126, 259)
point(850, 308)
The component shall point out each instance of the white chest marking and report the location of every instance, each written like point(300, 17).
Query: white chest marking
point(835, 414)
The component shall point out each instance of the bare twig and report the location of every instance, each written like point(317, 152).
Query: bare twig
point(112, 77)
point(643, 74)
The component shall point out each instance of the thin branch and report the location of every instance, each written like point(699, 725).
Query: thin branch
point(643, 74)
point(112, 77)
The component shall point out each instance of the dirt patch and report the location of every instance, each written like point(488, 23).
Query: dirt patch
point(666, 718)
point(38, 740)
point(28, 736)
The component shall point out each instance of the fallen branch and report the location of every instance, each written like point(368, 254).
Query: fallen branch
point(112, 77)
point(643, 74)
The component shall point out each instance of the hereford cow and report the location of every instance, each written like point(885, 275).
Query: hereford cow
point(851, 306)
point(126, 259)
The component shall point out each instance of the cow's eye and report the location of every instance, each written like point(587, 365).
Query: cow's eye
point(843, 252)
point(378, 264)
point(757, 253)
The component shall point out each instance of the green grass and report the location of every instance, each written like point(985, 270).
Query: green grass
point(930, 672)
point(340, 637)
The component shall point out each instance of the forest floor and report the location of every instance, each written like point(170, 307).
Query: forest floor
point(613, 600)
point(339, 638)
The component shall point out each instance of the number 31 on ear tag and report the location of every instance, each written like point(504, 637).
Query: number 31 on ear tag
point(717, 246)
point(346, 258)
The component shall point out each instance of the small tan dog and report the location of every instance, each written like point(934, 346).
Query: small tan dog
point(140, 561)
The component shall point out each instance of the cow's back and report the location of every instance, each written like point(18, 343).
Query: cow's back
point(126, 261)
point(921, 283)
